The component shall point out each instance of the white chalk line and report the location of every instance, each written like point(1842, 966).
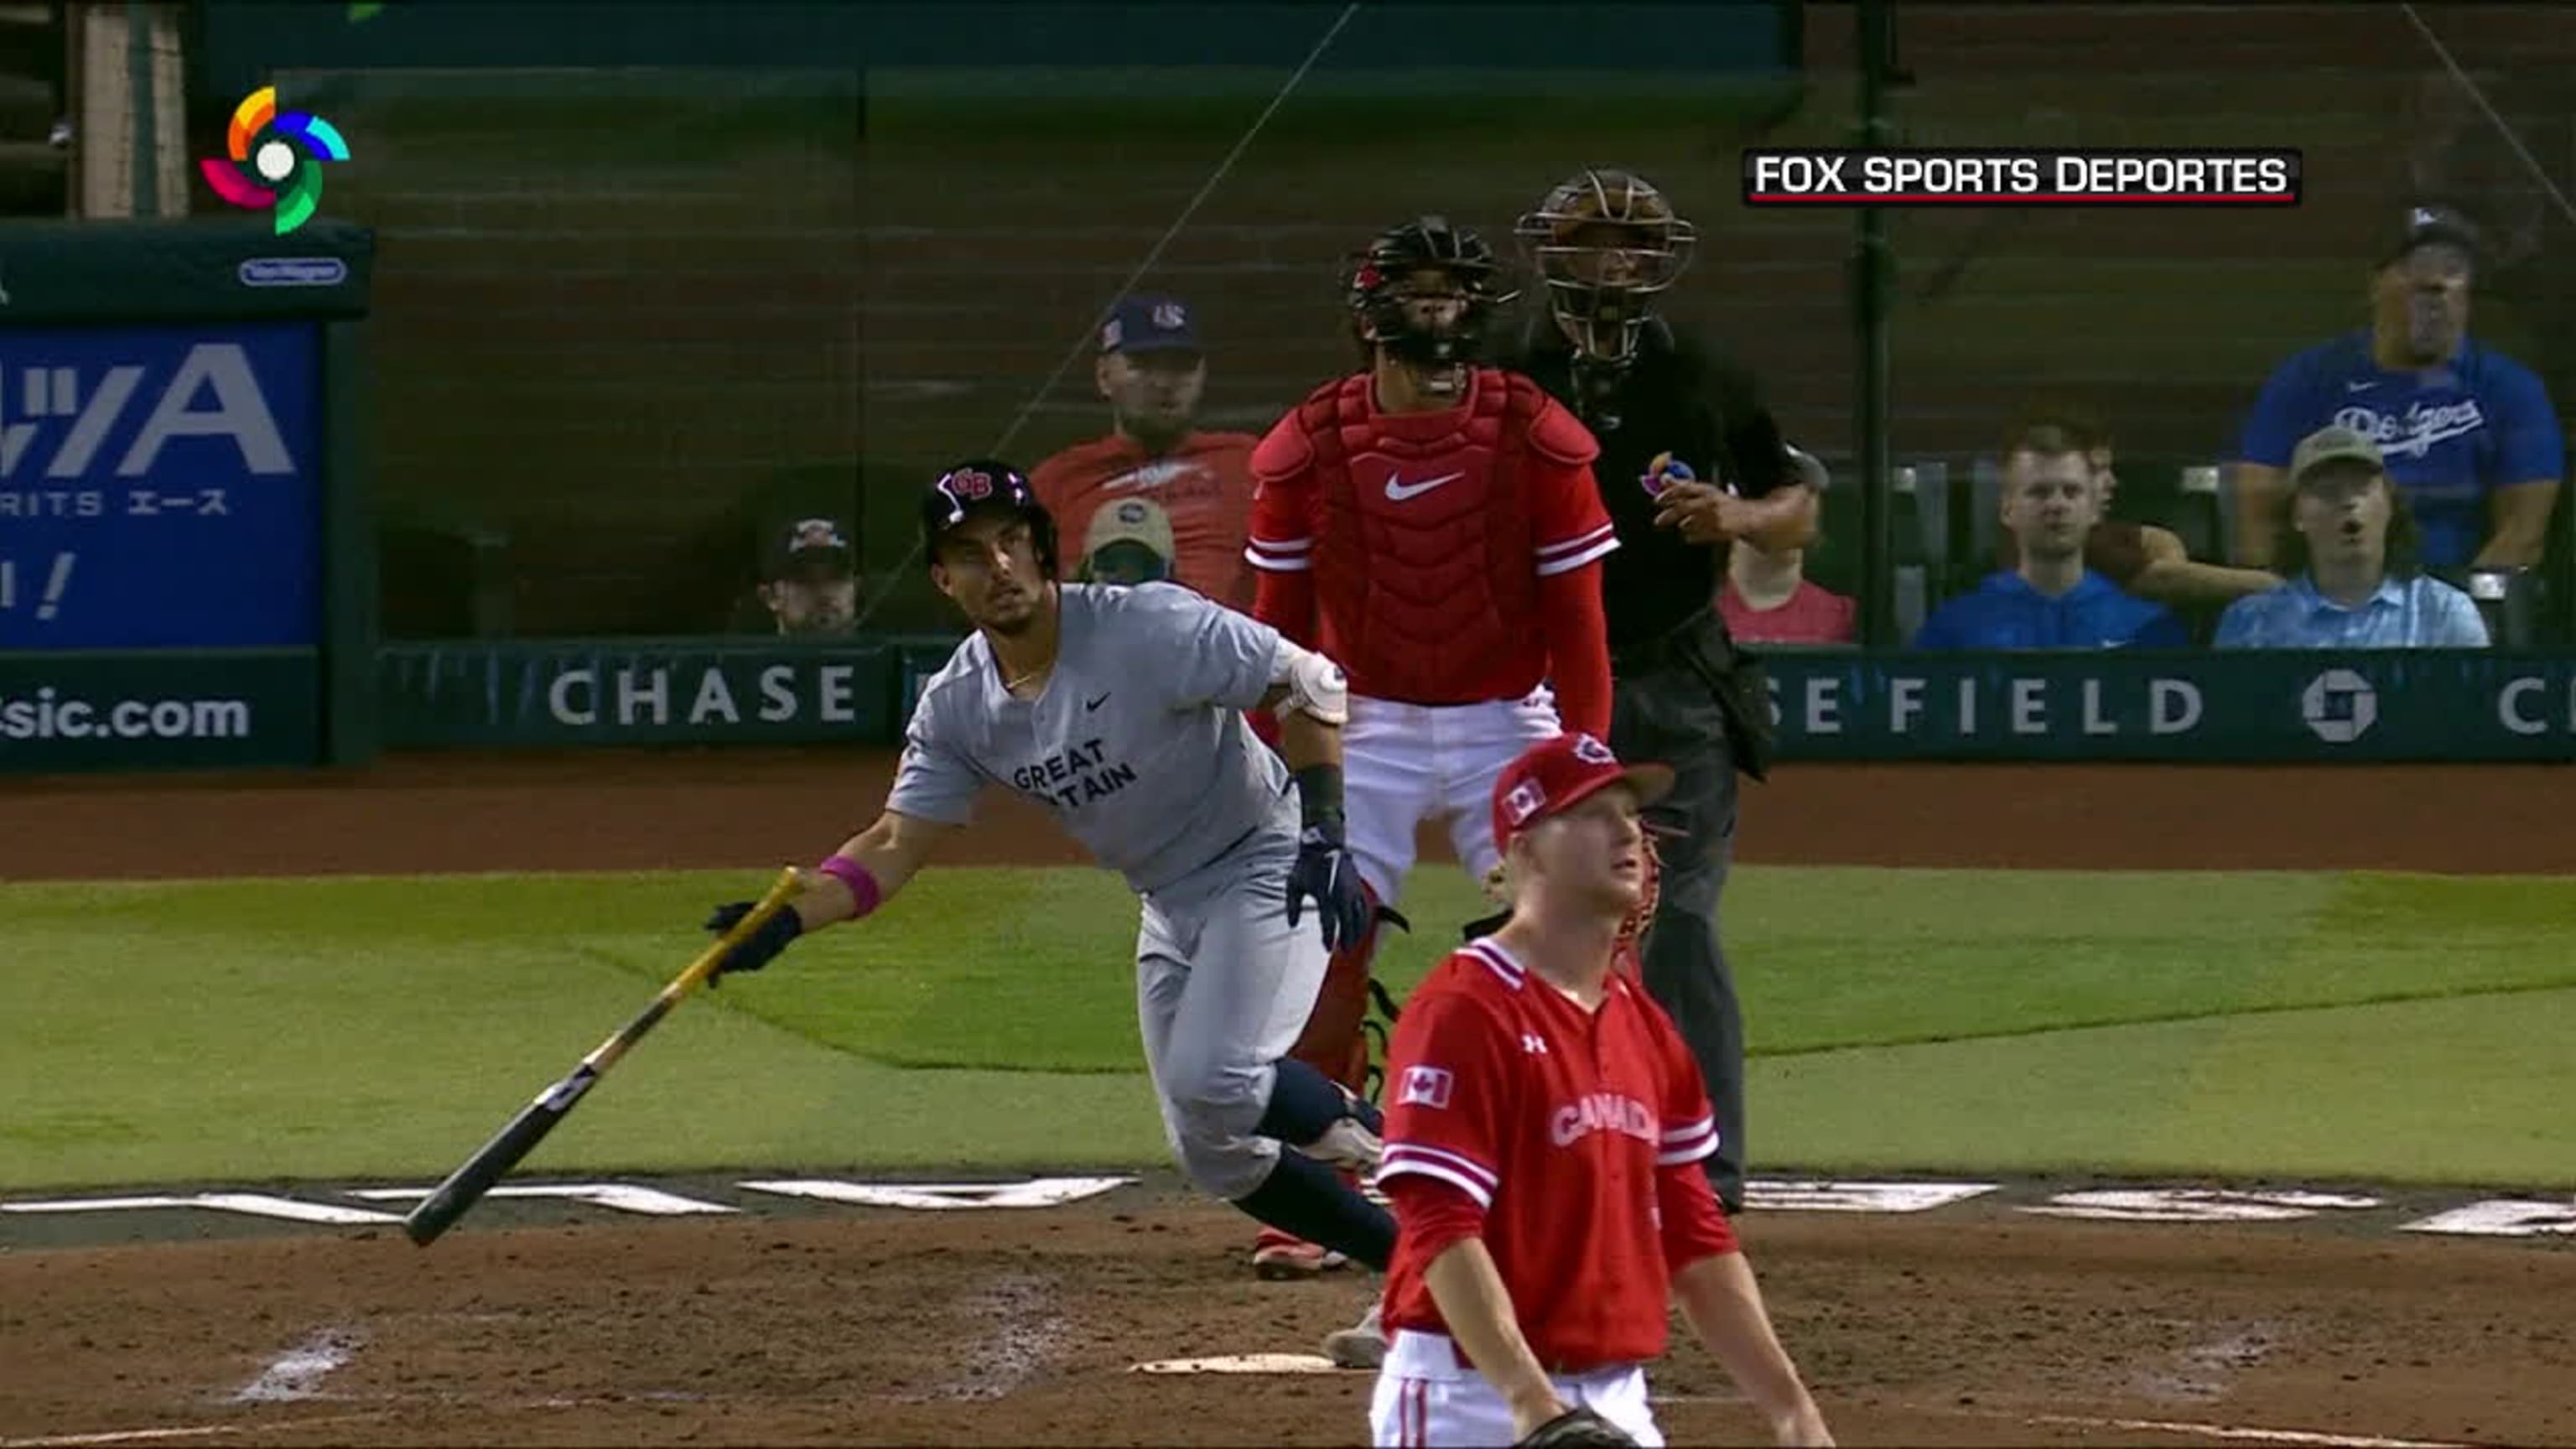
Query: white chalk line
point(186, 1431)
point(2234, 1432)
point(2241, 1432)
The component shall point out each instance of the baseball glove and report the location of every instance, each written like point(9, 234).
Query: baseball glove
point(1576, 1428)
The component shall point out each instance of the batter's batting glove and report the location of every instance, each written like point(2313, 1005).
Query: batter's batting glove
point(1326, 874)
point(760, 947)
point(1576, 1429)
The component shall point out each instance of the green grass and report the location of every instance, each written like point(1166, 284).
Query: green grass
point(2379, 1026)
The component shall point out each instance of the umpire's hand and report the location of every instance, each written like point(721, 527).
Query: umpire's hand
point(760, 947)
point(1326, 874)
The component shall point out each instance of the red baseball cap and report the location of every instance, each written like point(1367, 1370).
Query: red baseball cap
point(1555, 774)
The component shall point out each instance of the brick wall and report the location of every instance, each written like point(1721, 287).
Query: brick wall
point(601, 321)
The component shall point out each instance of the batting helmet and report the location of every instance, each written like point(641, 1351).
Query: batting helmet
point(1606, 240)
point(1381, 280)
point(981, 484)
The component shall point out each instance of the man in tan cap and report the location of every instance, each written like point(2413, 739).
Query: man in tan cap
point(2346, 542)
point(1129, 542)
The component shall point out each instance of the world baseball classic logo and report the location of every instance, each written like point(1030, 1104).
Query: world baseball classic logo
point(276, 160)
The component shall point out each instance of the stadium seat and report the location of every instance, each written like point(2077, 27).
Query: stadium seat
point(2558, 576)
point(1911, 593)
point(2508, 599)
point(1976, 496)
point(1835, 562)
point(443, 578)
point(2176, 493)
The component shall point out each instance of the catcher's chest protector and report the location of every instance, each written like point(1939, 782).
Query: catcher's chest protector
point(1425, 547)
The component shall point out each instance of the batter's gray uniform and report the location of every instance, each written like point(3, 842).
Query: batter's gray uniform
point(1140, 747)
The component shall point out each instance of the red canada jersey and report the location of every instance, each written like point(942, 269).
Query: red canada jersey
point(1427, 533)
point(1557, 1121)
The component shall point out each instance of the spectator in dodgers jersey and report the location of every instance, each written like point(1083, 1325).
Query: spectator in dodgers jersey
point(1153, 372)
point(2051, 505)
point(2347, 546)
point(2468, 433)
point(1542, 1151)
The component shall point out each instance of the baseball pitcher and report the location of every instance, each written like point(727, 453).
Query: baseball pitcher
point(1544, 1131)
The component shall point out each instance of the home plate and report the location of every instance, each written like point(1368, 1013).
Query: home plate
point(1242, 1363)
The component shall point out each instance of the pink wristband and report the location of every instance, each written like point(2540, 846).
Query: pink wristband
point(863, 886)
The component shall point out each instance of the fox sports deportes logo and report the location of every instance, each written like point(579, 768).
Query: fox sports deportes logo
point(276, 160)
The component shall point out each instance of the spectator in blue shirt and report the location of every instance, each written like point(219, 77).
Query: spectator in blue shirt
point(2468, 433)
point(2052, 499)
point(2347, 546)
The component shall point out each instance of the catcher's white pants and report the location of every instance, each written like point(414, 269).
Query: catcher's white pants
point(1403, 764)
point(1427, 1397)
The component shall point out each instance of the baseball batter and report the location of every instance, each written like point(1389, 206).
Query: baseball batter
point(1542, 1148)
point(1434, 526)
point(1121, 711)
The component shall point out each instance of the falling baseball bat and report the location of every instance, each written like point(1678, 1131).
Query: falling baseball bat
point(465, 1187)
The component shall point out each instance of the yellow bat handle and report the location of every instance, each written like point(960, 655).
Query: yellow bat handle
point(780, 892)
point(775, 900)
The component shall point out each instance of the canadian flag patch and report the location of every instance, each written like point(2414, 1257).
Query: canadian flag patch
point(1425, 1087)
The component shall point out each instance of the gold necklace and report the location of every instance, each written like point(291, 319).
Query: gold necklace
point(1011, 683)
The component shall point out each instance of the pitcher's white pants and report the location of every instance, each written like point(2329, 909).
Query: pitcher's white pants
point(1426, 1396)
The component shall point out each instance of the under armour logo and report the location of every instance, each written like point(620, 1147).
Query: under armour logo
point(1533, 1044)
point(1592, 752)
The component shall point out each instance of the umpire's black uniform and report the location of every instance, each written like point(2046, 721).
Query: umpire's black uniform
point(1682, 694)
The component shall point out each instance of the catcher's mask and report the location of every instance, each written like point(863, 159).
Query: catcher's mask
point(1380, 282)
point(1606, 241)
point(975, 486)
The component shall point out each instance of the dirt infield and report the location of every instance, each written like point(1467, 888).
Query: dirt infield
point(641, 809)
point(1025, 1328)
point(992, 1327)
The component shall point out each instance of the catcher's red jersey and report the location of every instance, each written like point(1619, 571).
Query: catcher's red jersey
point(1427, 535)
point(1565, 1125)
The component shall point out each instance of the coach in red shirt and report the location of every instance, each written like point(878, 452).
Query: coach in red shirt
point(1542, 1151)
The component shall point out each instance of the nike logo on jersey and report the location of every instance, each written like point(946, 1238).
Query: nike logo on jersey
point(1399, 490)
point(1092, 704)
point(2359, 386)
